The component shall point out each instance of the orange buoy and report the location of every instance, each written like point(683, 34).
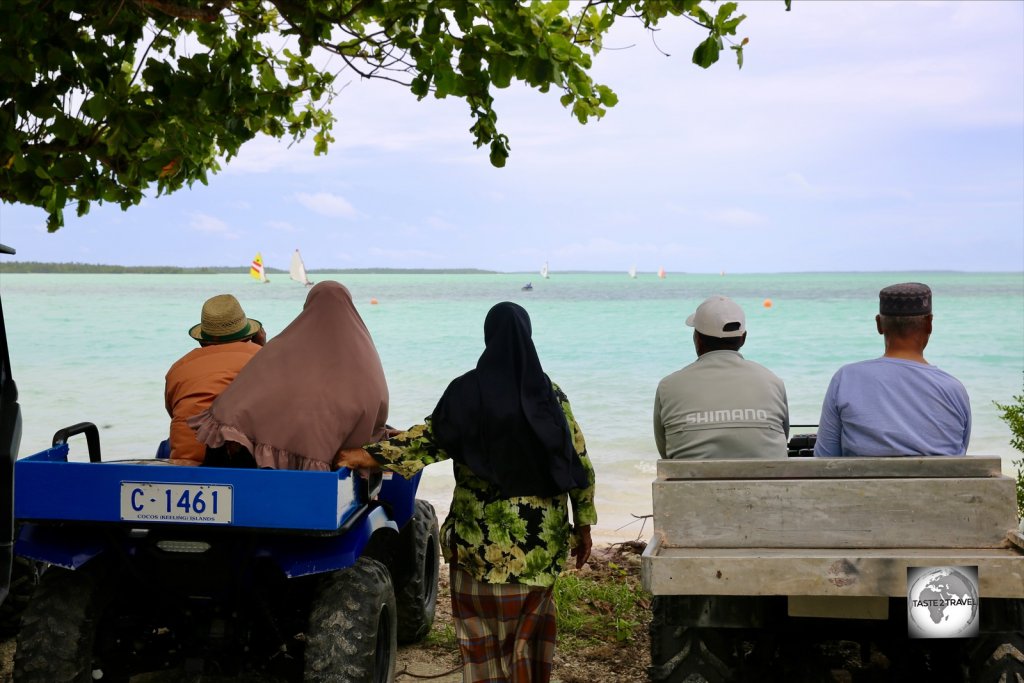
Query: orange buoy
point(767, 303)
point(373, 301)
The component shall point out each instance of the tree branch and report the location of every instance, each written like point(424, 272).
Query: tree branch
point(208, 13)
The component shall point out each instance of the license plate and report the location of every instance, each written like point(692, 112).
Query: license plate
point(191, 503)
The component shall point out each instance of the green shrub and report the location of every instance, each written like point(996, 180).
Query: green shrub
point(593, 606)
point(1013, 415)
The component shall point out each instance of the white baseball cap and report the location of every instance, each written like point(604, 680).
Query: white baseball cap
point(718, 316)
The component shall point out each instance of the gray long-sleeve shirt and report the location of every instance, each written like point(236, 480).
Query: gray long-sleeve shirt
point(721, 406)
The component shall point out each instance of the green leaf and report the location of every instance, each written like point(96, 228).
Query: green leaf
point(499, 151)
point(724, 11)
point(706, 53)
point(502, 69)
point(420, 86)
point(98, 106)
point(739, 55)
point(608, 97)
point(729, 27)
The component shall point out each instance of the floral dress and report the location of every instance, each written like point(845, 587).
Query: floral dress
point(524, 539)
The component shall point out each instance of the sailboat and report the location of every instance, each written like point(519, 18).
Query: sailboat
point(544, 271)
point(297, 271)
point(661, 272)
point(256, 271)
point(632, 271)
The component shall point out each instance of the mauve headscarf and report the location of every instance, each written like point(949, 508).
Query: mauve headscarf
point(314, 388)
point(503, 420)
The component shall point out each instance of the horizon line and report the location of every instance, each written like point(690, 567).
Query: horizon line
point(79, 267)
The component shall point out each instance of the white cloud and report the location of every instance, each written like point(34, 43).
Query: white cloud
point(796, 184)
point(736, 217)
point(283, 226)
point(326, 204)
point(404, 257)
point(204, 222)
point(797, 181)
point(440, 224)
point(600, 248)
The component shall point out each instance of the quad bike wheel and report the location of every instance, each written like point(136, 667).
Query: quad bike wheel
point(58, 627)
point(352, 635)
point(417, 597)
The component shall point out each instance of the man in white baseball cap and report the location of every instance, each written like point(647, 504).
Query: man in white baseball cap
point(721, 405)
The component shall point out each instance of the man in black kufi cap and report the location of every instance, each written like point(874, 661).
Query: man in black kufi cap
point(898, 404)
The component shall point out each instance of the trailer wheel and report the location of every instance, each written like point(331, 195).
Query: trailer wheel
point(417, 597)
point(58, 628)
point(686, 654)
point(998, 658)
point(24, 579)
point(352, 635)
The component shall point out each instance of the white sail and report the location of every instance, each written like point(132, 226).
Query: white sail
point(544, 270)
point(632, 271)
point(297, 271)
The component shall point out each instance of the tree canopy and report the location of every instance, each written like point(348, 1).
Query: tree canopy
point(101, 100)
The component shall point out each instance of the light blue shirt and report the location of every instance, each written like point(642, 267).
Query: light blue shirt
point(889, 406)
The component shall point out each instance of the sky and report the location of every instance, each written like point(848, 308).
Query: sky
point(881, 136)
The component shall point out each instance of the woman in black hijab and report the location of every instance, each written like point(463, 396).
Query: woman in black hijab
point(520, 460)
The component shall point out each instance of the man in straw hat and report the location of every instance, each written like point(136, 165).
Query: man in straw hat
point(898, 404)
point(228, 339)
point(721, 405)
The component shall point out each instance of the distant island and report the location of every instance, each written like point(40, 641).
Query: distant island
point(41, 267)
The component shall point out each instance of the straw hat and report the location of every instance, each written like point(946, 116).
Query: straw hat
point(224, 321)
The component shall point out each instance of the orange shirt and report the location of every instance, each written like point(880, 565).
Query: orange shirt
point(193, 382)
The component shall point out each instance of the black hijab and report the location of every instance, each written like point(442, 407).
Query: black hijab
point(503, 420)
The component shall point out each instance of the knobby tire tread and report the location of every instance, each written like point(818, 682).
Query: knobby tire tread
point(58, 628)
point(24, 579)
point(341, 641)
point(682, 654)
point(417, 598)
point(998, 658)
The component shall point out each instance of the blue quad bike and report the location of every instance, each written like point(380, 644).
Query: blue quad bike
point(149, 566)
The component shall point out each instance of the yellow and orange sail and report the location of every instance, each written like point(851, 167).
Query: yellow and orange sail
point(256, 271)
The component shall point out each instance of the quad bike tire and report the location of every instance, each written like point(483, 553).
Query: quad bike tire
point(24, 579)
point(58, 627)
point(998, 658)
point(687, 654)
point(352, 635)
point(417, 597)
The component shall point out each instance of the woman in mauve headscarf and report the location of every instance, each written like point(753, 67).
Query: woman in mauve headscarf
point(519, 461)
point(315, 388)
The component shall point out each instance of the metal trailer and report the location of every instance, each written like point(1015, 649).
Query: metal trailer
point(753, 562)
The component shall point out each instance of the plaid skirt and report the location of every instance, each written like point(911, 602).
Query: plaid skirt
point(506, 632)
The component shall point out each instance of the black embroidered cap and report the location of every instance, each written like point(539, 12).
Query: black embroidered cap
point(905, 299)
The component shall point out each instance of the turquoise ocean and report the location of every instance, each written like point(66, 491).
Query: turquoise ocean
point(96, 348)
